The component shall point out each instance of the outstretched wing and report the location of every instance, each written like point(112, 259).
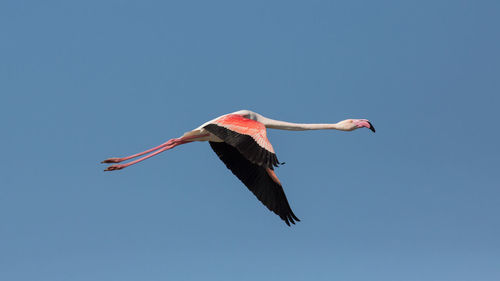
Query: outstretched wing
point(259, 179)
point(247, 136)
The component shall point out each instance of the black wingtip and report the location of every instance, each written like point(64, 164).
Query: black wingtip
point(371, 127)
point(290, 218)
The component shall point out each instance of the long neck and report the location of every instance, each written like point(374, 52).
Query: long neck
point(282, 125)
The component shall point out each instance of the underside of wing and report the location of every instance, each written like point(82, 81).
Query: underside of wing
point(259, 180)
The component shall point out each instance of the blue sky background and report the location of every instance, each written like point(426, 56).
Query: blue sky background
point(81, 81)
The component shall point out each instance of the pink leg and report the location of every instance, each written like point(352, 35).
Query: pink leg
point(121, 166)
point(167, 143)
point(166, 146)
point(118, 160)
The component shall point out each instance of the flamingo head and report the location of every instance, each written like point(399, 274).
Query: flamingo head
point(353, 124)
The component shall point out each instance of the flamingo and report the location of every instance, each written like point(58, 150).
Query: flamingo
point(239, 139)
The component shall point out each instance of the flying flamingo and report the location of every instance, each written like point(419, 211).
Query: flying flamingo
point(239, 140)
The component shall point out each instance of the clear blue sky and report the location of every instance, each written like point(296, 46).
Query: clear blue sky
point(83, 81)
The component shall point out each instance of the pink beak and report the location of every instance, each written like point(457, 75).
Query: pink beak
point(364, 123)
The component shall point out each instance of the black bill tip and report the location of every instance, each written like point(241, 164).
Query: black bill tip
point(371, 127)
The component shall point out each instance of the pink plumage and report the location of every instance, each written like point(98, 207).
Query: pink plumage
point(245, 126)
